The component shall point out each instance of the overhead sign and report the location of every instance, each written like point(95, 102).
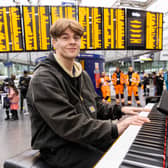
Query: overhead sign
point(67, 4)
point(10, 29)
point(58, 12)
point(91, 21)
point(114, 28)
point(136, 24)
point(154, 30)
point(36, 28)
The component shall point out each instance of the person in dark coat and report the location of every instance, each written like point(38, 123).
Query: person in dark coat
point(71, 126)
point(159, 83)
point(23, 86)
point(146, 84)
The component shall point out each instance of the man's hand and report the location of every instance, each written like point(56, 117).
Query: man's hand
point(134, 110)
point(131, 120)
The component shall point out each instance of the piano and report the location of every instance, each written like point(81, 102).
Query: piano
point(143, 146)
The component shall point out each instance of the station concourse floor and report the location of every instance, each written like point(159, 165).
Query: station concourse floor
point(15, 136)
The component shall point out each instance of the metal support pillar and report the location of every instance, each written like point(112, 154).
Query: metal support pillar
point(8, 67)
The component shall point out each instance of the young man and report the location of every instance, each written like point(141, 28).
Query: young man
point(70, 124)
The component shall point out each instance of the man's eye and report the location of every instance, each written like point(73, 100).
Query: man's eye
point(77, 37)
point(64, 37)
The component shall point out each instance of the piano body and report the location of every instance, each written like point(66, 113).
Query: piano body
point(140, 146)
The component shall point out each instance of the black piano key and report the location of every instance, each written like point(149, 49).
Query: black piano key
point(147, 153)
point(146, 149)
point(133, 164)
point(154, 128)
point(149, 145)
point(144, 136)
point(156, 135)
point(150, 131)
point(126, 165)
point(143, 159)
point(149, 141)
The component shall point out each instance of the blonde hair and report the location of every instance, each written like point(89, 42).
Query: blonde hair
point(58, 28)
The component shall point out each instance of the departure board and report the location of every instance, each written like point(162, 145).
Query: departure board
point(114, 28)
point(36, 28)
point(10, 29)
point(136, 29)
point(91, 21)
point(58, 12)
point(154, 30)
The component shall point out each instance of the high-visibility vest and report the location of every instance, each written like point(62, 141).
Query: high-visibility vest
point(134, 79)
point(105, 87)
point(118, 78)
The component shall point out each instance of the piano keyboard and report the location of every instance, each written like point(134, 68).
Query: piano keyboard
point(139, 146)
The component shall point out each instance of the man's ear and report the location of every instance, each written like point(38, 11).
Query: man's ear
point(54, 41)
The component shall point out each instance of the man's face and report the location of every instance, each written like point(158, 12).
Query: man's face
point(117, 69)
point(130, 69)
point(68, 44)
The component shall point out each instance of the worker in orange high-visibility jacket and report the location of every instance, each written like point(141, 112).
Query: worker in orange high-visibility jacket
point(118, 79)
point(132, 82)
point(105, 87)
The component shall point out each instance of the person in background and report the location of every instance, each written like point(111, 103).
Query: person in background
point(71, 126)
point(154, 83)
point(159, 82)
point(132, 82)
point(146, 84)
point(166, 79)
point(23, 86)
point(118, 79)
point(10, 80)
point(14, 101)
point(141, 75)
point(6, 101)
point(105, 87)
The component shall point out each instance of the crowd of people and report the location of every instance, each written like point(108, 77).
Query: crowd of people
point(12, 93)
point(131, 81)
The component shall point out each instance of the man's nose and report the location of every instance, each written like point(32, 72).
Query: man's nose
point(72, 40)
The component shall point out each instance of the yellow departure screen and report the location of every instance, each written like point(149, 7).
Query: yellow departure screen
point(37, 26)
point(135, 29)
point(91, 21)
point(154, 28)
point(114, 28)
point(58, 12)
point(10, 29)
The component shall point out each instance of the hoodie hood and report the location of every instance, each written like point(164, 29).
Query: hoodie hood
point(77, 68)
